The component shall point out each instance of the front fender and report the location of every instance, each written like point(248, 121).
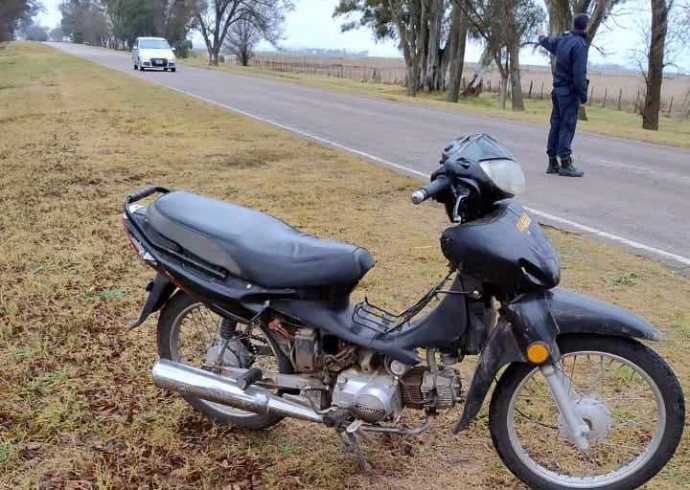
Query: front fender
point(543, 317)
point(575, 313)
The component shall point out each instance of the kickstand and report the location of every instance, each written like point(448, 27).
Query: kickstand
point(352, 445)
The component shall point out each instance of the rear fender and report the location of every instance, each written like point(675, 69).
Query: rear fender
point(160, 290)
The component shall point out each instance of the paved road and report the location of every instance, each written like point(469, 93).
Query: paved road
point(635, 194)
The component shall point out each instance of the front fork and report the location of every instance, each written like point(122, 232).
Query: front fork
point(560, 388)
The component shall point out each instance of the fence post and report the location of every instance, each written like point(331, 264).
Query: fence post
point(606, 92)
point(637, 103)
point(620, 96)
point(591, 96)
point(541, 91)
point(670, 106)
point(529, 94)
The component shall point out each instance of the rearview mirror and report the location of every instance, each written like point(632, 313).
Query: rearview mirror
point(174, 48)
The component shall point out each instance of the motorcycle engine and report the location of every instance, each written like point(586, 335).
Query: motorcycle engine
point(421, 388)
point(372, 397)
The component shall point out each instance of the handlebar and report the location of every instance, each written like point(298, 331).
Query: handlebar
point(430, 190)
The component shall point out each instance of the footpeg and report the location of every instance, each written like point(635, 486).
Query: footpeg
point(247, 379)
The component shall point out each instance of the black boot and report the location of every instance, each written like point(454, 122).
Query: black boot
point(553, 167)
point(568, 169)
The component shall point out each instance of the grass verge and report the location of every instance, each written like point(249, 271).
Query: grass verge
point(673, 132)
point(77, 406)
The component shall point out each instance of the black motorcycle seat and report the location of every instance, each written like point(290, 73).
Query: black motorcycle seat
point(255, 246)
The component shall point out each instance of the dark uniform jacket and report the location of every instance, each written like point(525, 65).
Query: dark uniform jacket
point(570, 50)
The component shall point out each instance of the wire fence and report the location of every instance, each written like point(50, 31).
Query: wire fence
point(607, 91)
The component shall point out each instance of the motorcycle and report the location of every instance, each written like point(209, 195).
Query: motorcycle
point(256, 324)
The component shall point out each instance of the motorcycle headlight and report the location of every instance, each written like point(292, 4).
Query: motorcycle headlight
point(506, 175)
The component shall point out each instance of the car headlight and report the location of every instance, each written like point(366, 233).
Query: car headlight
point(506, 174)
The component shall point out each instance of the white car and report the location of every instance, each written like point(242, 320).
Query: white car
point(153, 53)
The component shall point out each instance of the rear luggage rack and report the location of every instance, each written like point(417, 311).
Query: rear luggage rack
point(380, 320)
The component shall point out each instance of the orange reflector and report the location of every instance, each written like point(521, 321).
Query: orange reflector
point(537, 353)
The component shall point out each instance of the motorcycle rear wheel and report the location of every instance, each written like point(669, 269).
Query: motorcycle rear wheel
point(180, 309)
point(532, 440)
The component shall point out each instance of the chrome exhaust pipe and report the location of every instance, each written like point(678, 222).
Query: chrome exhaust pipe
point(192, 381)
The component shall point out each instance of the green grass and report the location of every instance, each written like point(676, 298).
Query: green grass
point(622, 124)
point(77, 406)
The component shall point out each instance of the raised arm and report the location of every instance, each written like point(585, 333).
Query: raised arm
point(550, 43)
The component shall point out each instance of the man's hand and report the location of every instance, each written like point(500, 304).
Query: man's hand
point(539, 33)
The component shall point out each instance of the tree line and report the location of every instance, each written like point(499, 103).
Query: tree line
point(234, 25)
point(432, 35)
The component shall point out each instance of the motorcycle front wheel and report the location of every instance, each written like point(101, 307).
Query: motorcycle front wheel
point(625, 392)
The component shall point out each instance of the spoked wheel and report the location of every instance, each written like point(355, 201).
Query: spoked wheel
point(627, 395)
point(190, 333)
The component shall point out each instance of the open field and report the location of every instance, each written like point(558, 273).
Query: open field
point(674, 131)
point(77, 407)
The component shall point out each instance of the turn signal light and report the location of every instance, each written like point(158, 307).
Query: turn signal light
point(537, 353)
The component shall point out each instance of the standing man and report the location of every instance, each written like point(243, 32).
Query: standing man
point(569, 91)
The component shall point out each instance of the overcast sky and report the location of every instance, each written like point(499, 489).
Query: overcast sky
point(311, 25)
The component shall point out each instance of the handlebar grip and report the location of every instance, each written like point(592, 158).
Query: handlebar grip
point(432, 189)
point(145, 192)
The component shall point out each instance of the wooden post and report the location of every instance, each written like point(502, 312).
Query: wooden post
point(637, 103)
point(606, 92)
point(541, 91)
point(529, 94)
point(620, 96)
point(591, 96)
point(670, 106)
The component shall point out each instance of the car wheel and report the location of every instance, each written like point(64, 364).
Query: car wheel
point(173, 70)
point(141, 68)
point(135, 67)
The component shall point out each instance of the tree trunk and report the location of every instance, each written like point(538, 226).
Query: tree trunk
point(513, 52)
point(432, 69)
point(412, 79)
point(213, 55)
point(515, 85)
point(655, 67)
point(458, 40)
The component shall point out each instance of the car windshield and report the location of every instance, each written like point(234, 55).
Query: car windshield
point(153, 44)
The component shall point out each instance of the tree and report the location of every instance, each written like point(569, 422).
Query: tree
point(214, 18)
point(504, 26)
point(241, 41)
point(56, 34)
point(421, 29)
point(36, 33)
point(457, 40)
point(132, 18)
point(16, 15)
point(656, 61)
point(84, 21)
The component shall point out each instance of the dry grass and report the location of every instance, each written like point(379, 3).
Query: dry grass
point(673, 131)
point(77, 407)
